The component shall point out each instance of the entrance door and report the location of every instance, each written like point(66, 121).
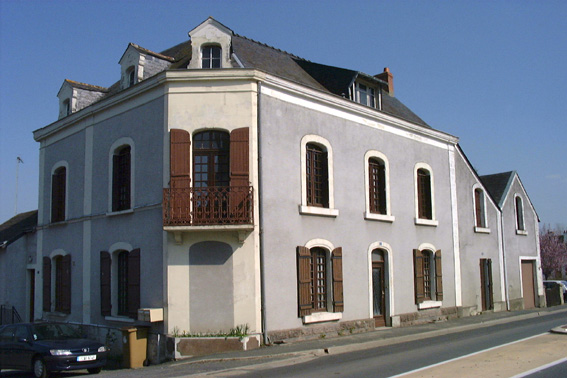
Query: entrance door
point(378, 288)
point(528, 283)
point(486, 284)
point(32, 295)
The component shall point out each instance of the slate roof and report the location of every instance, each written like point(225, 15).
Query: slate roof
point(256, 55)
point(17, 226)
point(498, 185)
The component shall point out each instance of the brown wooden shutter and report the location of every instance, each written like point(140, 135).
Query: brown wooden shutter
point(66, 284)
point(239, 146)
point(478, 208)
point(304, 280)
point(180, 159)
point(105, 290)
point(134, 283)
point(46, 284)
point(491, 294)
point(438, 276)
point(239, 173)
point(418, 276)
point(337, 260)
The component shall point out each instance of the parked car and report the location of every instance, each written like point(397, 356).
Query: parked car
point(46, 347)
point(549, 283)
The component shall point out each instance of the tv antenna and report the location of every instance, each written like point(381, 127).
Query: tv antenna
point(18, 161)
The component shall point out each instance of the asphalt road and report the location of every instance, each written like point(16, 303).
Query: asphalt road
point(407, 357)
point(455, 354)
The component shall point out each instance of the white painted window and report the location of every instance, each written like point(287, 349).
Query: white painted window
point(317, 185)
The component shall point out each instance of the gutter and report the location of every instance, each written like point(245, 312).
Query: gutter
point(266, 339)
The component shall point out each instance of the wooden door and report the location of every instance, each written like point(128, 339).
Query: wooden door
point(486, 284)
point(378, 293)
point(528, 286)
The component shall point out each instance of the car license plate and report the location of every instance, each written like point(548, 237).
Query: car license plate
point(86, 358)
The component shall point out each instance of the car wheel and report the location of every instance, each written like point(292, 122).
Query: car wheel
point(95, 370)
point(39, 368)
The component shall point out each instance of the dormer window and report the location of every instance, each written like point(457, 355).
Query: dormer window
point(211, 57)
point(67, 107)
point(131, 76)
point(365, 95)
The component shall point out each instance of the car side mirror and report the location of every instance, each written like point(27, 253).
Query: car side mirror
point(23, 340)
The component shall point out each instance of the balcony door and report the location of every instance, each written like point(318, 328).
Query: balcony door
point(211, 175)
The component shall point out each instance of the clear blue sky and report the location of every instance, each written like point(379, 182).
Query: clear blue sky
point(493, 73)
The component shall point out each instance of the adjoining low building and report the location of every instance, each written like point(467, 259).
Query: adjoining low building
point(224, 182)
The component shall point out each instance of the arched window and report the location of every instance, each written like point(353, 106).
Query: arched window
point(519, 214)
point(57, 283)
point(428, 277)
point(317, 176)
point(120, 283)
point(131, 76)
point(424, 201)
point(121, 179)
point(320, 280)
point(58, 194)
point(479, 208)
point(211, 57)
point(377, 186)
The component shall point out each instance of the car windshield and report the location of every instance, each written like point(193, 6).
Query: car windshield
point(54, 332)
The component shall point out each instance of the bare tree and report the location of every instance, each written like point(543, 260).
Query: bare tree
point(553, 253)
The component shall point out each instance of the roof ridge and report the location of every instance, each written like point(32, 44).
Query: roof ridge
point(78, 83)
point(271, 47)
point(138, 47)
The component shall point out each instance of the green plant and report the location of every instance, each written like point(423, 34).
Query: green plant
point(240, 331)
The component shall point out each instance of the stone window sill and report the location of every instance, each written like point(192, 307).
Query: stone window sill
point(322, 211)
point(318, 317)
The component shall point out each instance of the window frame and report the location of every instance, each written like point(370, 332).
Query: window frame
point(114, 149)
point(387, 216)
point(417, 198)
point(57, 282)
point(333, 281)
point(479, 210)
point(357, 91)
point(62, 194)
point(211, 48)
point(306, 208)
point(119, 285)
point(434, 273)
point(519, 215)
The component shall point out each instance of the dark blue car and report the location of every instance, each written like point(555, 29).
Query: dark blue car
point(47, 347)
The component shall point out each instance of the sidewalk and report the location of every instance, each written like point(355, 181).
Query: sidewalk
point(379, 337)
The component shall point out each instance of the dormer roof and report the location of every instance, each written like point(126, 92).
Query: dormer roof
point(210, 22)
point(84, 86)
point(145, 51)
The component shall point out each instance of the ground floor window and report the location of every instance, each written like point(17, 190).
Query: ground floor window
point(320, 280)
point(428, 278)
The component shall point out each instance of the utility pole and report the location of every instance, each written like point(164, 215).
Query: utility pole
point(18, 161)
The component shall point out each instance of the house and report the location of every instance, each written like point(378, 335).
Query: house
point(225, 182)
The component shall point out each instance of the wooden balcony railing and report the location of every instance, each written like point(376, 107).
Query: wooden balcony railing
point(215, 205)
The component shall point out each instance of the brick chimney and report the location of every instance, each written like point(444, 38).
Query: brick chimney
point(388, 78)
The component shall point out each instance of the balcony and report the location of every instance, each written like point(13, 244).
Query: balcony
point(205, 208)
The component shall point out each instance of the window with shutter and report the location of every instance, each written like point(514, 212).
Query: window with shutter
point(58, 193)
point(105, 288)
point(122, 283)
point(46, 284)
point(428, 277)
